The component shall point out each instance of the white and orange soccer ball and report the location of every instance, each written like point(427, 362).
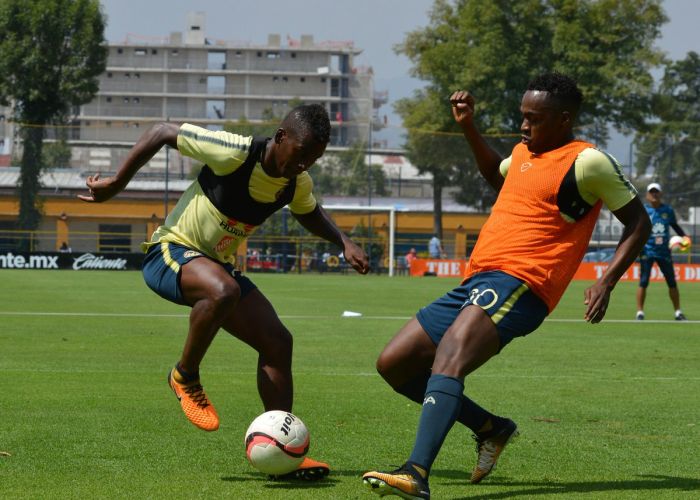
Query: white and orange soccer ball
point(276, 442)
point(679, 244)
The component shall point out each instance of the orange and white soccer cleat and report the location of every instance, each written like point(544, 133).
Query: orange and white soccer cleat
point(194, 402)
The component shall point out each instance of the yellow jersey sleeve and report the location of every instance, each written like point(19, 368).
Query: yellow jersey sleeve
point(223, 151)
point(504, 166)
point(304, 201)
point(599, 177)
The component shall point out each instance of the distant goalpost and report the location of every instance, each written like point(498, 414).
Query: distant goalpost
point(390, 210)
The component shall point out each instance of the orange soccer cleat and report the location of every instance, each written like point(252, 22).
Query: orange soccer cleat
point(308, 470)
point(194, 402)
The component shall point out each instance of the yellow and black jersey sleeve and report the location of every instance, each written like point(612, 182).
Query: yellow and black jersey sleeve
point(223, 151)
point(599, 177)
point(304, 201)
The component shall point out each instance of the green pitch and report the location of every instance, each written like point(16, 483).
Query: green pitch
point(605, 411)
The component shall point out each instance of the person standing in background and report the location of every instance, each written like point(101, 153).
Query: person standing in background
point(435, 248)
point(656, 250)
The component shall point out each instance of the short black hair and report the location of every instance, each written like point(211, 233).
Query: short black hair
point(562, 88)
point(310, 120)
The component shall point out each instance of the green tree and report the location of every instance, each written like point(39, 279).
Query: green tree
point(346, 173)
point(51, 53)
point(670, 146)
point(57, 153)
point(494, 48)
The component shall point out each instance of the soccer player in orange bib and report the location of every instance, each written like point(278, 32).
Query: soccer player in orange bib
point(551, 189)
point(190, 258)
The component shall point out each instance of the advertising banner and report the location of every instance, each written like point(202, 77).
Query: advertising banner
point(452, 268)
point(594, 270)
point(76, 261)
point(586, 271)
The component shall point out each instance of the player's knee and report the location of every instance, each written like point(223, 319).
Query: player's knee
point(389, 369)
point(225, 295)
point(277, 345)
point(382, 366)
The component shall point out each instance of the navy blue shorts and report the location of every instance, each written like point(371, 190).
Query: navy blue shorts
point(161, 271)
point(646, 262)
point(512, 306)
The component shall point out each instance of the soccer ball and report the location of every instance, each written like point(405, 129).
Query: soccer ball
point(679, 244)
point(276, 442)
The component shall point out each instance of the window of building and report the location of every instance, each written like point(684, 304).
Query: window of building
point(273, 55)
point(140, 52)
point(302, 79)
point(275, 78)
point(120, 50)
point(335, 87)
point(259, 54)
point(215, 109)
point(108, 124)
point(293, 55)
point(174, 52)
point(108, 98)
point(114, 238)
point(126, 100)
point(109, 75)
point(137, 75)
point(238, 53)
point(216, 59)
point(154, 51)
point(216, 84)
point(136, 100)
point(285, 79)
point(127, 75)
point(323, 79)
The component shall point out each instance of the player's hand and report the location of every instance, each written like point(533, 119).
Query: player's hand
point(356, 257)
point(100, 189)
point(462, 107)
point(596, 298)
point(686, 241)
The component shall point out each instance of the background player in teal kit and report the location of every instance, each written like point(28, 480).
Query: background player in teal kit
point(656, 250)
point(190, 258)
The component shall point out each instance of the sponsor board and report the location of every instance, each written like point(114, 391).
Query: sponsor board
point(453, 268)
point(76, 261)
point(586, 271)
point(594, 270)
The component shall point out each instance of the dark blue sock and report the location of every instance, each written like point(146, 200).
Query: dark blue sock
point(443, 400)
point(188, 377)
point(470, 414)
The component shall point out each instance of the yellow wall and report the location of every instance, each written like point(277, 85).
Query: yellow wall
point(63, 214)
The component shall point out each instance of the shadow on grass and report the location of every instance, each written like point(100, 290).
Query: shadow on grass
point(645, 483)
point(281, 484)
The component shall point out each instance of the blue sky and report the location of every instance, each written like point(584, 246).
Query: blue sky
point(375, 26)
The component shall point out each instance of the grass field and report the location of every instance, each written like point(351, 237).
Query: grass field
point(605, 411)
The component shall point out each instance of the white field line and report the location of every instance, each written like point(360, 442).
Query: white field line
point(312, 316)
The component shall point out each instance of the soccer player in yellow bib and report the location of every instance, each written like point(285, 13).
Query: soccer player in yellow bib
point(190, 259)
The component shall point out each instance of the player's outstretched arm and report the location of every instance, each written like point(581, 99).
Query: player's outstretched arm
point(148, 145)
point(319, 223)
point(487, 159)
point(637, 228)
